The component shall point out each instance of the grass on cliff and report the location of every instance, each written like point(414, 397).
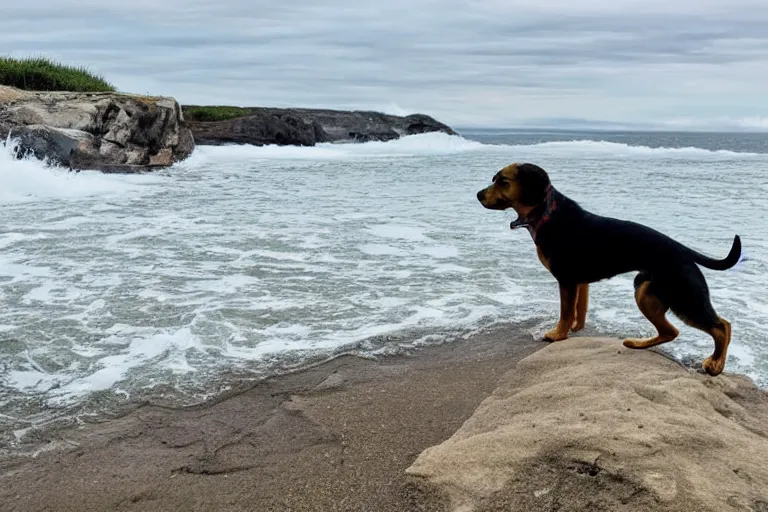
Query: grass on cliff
point(41, 74)
point(214, 113)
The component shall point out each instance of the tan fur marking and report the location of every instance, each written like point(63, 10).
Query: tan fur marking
point(567, 313)
point(715, 364)
point(503, 193)
point(582, 303)
point(655, 311)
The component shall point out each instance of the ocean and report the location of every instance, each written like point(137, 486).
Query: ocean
point(244, 262)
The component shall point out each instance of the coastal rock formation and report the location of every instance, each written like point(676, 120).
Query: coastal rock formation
point(102, 131)
point(307, 127)
point(587, 424)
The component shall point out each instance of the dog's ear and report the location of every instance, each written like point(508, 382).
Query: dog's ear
point(533, 181)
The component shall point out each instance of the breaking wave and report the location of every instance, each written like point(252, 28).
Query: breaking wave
point(616, 149)
point(29, 179)
point(437, 144)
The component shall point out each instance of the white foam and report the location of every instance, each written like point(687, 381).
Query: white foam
point(283, 330)
point(278, 255)
point(410, 233)
point(142, 349)
point(438, 143)
point(396, 110)
point(743, 354)
point(381, 250)
point(179, 365)
point(133, 234)
point(426, 144)
point(439, 251)
point(32, 380)
point(390, 302)
point(601, 148)
point(227, 284)
point(30, 179)
point(9, 239)
point(51, 293)
point(20, 271)
point(450, 268)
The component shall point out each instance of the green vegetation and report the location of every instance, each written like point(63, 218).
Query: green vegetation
point(214, 113)
point(41, 74)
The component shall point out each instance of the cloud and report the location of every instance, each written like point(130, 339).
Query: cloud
point(473, 62)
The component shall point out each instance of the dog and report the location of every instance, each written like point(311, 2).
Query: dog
point(579, 247)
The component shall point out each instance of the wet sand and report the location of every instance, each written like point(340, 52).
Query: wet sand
point(335, 437)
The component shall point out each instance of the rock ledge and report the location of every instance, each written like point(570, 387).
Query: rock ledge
point(587, 424)
point(100, 131)
point(307, 127)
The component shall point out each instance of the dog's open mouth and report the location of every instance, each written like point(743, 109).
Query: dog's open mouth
point(519, 222)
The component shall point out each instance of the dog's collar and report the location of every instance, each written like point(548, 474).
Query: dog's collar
point(533, 226)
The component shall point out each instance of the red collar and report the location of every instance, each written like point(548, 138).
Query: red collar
point(533, 227)
point(551, 207)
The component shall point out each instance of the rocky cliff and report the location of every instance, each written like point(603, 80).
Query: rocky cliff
point(307, 127)
point(102, 131)
point(587, 424)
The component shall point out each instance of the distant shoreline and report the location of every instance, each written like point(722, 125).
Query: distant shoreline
point(128, 133)
point(261, 126)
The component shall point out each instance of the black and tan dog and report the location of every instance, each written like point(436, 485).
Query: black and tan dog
point(579, 247)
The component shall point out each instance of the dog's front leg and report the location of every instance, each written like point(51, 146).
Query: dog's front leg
point(582, 302)
point(568, 294)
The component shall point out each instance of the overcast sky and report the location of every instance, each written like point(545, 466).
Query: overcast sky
point(699, 64)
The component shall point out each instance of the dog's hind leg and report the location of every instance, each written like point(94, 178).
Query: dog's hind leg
point(582, 302)
point(721, 333)
point(689, 300)
point(655, 310)
point(720, 330)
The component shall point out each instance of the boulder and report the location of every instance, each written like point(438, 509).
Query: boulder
point(101, 131)
point(63, 146)
point(262, 127)
point(587, 424)
point(307, 127)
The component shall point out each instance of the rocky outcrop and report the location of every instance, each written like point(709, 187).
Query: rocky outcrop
point(307, 127)
point(587, 424)
point(102, 131)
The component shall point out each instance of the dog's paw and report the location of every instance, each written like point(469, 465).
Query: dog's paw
point(635, 343)
point(713, 366)
point(577, 326)
point(555, 335)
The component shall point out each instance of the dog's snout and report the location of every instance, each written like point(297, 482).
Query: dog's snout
point(481, 195)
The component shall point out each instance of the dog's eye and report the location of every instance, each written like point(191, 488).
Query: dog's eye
point(501, 181)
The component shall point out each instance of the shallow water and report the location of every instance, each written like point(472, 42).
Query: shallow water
point(253, 259)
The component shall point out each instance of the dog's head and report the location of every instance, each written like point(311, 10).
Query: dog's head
point(515, 186)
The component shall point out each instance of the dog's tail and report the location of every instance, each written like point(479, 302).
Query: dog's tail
point(724, 264)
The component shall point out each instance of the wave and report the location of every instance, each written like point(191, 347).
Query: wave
point(426, 144)
point(437, 144)
point(588, 147)
point(29, 179)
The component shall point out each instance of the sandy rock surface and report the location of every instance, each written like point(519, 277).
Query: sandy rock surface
point(586, 424)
